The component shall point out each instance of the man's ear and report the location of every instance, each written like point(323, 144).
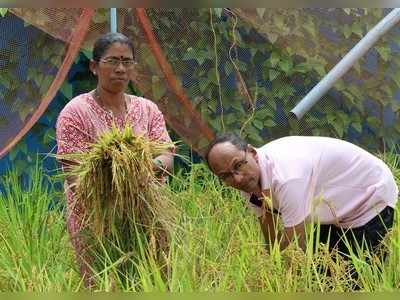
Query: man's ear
point(93, 67)
point(252, 151)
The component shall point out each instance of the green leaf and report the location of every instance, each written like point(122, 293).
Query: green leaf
point(101, 16)
point(260, 12)
point(347, 31)
point(357, 67)
point(228, 68)
point(273, 74)
point(46, 82)
point(269, 123)
point(395, 76)
point(189, 54)
point(357, 29)
point(301, 68)
point(203, 84)
point(258, 124)
point(158, 88)
point(237, 105)
point(215, 123)
point(272, 37)
point(212, 76)
point(357, 126)
point(241, 65)
point(3, 11)
point(344, 117)
point(66, 90)
point(49, 136)
point(338, 126)
point(309, 26)
point(347, 10)
point(286, 65)
point(279, 21)
point(384, 52)
point(230, 118)
point(87, 53)
point(274, 59)
point(331, 118)
point(218, 12)
point(320, 70)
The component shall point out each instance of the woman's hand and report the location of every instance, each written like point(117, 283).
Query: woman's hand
point(163, 164)
point(158, 167)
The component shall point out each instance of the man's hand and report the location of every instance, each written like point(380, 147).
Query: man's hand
point(291, 234)
point(268, 224)
point(269, 228)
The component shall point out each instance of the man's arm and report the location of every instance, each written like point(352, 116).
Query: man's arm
point(269, 227)
point(292, 233)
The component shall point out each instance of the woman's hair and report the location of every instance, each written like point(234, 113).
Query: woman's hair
point(106, 40)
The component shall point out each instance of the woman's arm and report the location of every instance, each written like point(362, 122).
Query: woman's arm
point(164, 163)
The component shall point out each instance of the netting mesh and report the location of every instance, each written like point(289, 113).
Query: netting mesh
point(240, 70)
point(34, 61)
point(245, 69)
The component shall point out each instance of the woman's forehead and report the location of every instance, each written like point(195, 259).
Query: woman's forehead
point(118, 50)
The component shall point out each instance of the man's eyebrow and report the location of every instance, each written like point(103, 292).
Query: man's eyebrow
point(232, 162)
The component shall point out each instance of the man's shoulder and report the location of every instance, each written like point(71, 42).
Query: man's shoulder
point(276, 144)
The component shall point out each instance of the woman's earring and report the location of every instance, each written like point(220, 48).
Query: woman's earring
point(94, 72)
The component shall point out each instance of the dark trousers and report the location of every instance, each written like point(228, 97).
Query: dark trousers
point(368, 236)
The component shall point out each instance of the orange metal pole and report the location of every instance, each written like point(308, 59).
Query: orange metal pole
point(169, 73)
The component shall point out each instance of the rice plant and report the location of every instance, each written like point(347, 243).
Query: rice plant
point(216, 246)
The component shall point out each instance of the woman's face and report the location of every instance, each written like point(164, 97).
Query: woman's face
point(115, 68)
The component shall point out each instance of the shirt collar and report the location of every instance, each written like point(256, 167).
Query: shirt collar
point(265, 166)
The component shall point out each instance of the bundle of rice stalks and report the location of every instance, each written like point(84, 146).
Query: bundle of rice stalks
point(123, 200)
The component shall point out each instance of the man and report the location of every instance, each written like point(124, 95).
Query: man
point(347, 190)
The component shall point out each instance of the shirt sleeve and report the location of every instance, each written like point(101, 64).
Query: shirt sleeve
point(294, 203)
point(70, 134)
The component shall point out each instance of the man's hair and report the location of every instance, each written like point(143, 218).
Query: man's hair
point(230, 137)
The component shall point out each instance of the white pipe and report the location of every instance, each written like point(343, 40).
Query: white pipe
point(113, 19)
point(346, 63)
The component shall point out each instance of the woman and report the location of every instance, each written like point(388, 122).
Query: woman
point(88, 115)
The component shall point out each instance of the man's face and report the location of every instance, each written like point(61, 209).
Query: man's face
point(236, 168)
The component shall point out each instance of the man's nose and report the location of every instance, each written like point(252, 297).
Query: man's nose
point(237, 178)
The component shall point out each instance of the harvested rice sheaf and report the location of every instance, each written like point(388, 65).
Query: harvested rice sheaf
point(120, 193)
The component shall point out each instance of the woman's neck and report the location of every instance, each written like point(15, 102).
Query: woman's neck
point(112, 101)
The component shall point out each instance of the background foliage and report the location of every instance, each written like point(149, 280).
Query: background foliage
point(279, 54)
